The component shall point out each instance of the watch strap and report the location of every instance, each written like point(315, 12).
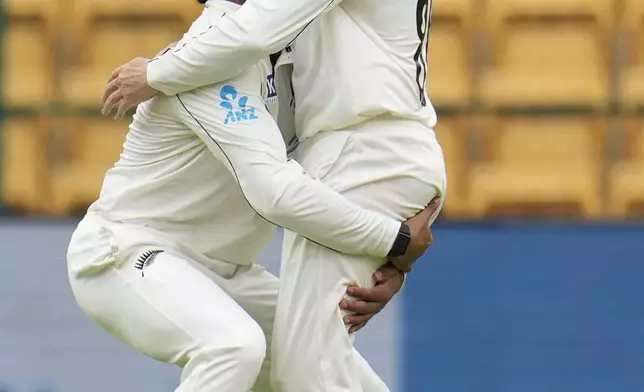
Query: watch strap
point(402, 242)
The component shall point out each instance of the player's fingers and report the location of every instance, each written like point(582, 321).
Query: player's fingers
point(434, 204)
point(360, 293)
point(114, 74)
point(349, 305)
point(111, 101)
point(385, 273)
point(362, 307)
point(374, 294)
point(430, 209)
point(357, 321)
point(122, 109)
point(423, 218)
point(112, 85)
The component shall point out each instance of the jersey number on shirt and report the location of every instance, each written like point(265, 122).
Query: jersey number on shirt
point(423, 22)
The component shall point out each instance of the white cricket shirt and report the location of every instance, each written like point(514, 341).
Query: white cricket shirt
point(206, 173)
point(353, 59)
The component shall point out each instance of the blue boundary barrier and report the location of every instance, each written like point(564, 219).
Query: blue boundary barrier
point(526, 308)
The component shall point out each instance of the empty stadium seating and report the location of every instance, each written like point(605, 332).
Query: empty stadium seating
point(449, 78)
point(29, 45)
point(451, 132)
point(95, 144)
point(631, 77)
point(541, 164)
point(527, 54)
point(547, 53)
point(24, 163)
point(109, 33)
point(626, 184)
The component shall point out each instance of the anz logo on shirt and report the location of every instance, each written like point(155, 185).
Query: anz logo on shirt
point(236, 105)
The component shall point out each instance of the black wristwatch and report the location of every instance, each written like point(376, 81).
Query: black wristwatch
point(401, 243)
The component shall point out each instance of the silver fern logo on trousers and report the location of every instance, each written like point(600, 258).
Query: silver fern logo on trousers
point(146, 260)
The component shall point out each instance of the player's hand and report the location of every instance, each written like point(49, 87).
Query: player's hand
point(127, 87)
point(421, 237)
point(366, 303)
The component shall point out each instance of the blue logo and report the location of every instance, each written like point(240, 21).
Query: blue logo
point(237, 107)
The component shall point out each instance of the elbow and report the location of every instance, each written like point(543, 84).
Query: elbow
point(257, 45)
point(278, 211)
point(272, 210)
point(272, 191)
point(268, 202)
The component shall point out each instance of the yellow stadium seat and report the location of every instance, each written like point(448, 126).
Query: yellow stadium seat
point(631, 80)
point(29, 42)
point(27, 8)
point(449, 80)
point(539, 165)
point(95, 144)
point(601, 11)
point(626, 185)
point(547, 53)
point(452, 135)
point(109, 33)
point(126, 8)
point(24, 164)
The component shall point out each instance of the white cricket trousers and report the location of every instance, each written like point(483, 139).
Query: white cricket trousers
point(389, 165)
point(177, 311)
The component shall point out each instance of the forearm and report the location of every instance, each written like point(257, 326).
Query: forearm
point(288, 197)
point(278, 189)
point(234, 42)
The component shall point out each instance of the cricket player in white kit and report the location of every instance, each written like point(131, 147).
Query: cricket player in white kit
point(364, 123)
point(164, 259)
